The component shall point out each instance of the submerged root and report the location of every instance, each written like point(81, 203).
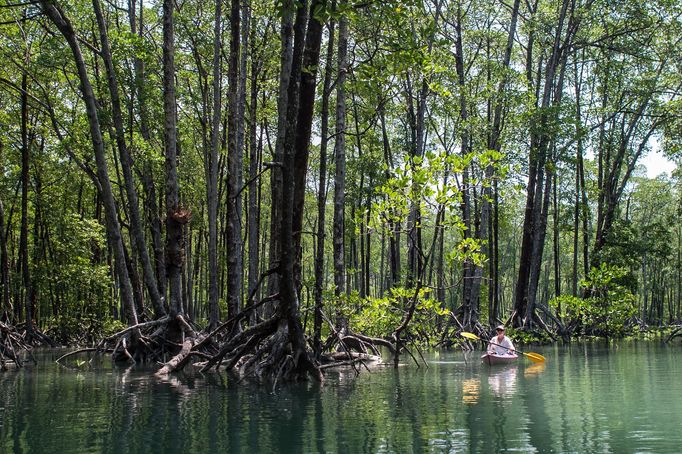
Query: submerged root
point(13, 345)
point(267, 351)
point(170, 341)
point(676, 332)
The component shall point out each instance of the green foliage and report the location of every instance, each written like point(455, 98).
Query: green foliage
point(72, 329)
point(80, 283)
point(379, 317)
point(522, 337)
point(607, 307)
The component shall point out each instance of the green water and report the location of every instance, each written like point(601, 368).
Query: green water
point(624, 398)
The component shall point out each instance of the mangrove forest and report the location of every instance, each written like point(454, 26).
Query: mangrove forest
point(278, 188)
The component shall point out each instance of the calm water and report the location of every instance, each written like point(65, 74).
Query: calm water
point(586, 398)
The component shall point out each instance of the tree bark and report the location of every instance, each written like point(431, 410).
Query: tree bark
point(212, 186)
point(322, 194)
point(537, 200)
point(233, 226)
point(469, 300)
point(253, 215)
point(151, 206)
point(176, 217)
point(126, 166)
point(5, 305)
point(54, 12)
point(306, 109)
point(340, 159)
point(393, 224)
point(283, 101)
point(23, 236)
point(150, 198)
point(290, 329)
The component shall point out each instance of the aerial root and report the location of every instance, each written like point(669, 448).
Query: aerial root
point(12, 344)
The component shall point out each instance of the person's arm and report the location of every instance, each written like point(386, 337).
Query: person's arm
point(511, 346)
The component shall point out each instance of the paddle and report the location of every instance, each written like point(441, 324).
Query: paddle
point(535, 357)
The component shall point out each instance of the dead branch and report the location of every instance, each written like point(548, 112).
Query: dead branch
point(178, 360)
point(82, 350)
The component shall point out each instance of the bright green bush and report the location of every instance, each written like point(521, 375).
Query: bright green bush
point(607, 305)
point(379, 317)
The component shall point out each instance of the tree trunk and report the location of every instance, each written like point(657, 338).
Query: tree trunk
point(150, 198)
point(126, 166)
point(469, 300)
point(176, 217)
point(212, 186)
point(283, 101)
point(53, 11)
point(495, 144)
point(555, 242)
point(5, 305)
point(340, 159)
point(23, 237)
point(537, 200)
point(322, 194)
point(393, 225)
point(253, 216)
point(306, 104)
point(233, 227)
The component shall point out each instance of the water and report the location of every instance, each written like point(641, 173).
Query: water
point(624, 398)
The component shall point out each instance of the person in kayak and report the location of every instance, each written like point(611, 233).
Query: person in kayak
point(502, 341)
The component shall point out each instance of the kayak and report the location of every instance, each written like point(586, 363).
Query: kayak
point(492, 359)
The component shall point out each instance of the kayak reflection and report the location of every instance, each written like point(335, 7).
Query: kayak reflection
point(502, 382)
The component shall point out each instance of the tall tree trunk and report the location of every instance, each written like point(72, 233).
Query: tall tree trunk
point(126, 166)
point(578, 77)
point(5, 305)
point(393, 225)
point(535, 219)
point(584, 215)
point(469, 300)
point(54, 12)
point(241, 199)
point(287, 317)
point(176, 217)
point(340, 159)
point(555, 242)
point(322, 193)
point(283, 101)
point(253, 212)
point(496, 253)
point(494, 144)
point(415, 269)
point(212, 186)
point(233, 227)
point(306, 104)
point(150, 197)
point(23, 237)
point(368, 243)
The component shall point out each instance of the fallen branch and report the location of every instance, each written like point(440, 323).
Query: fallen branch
point(82, 350)
point(676, 332)
point(178, 360)
point(161, 321)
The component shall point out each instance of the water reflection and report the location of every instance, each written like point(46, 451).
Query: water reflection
point(581, 400)
point(471, 390)
point(535, 369)
point(502, 380)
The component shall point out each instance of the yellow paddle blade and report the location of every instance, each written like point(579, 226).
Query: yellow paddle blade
point(535, 357)
point(469, 335)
